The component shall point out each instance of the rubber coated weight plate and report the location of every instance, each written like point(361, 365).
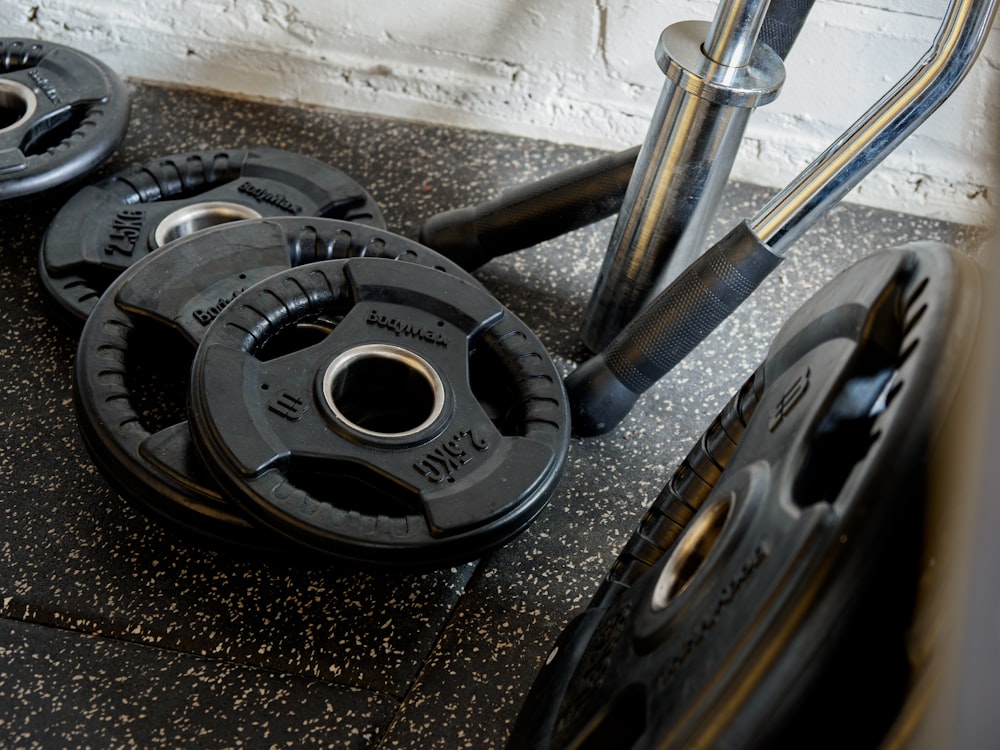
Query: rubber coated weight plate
point(62, 114)
point(429, 427)
point(135, 350)
point(775, 615)
point(109, 225)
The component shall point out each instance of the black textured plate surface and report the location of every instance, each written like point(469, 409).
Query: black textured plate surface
point(749, 602)
point(429, 426)
point(113, 223)
point(62, 114)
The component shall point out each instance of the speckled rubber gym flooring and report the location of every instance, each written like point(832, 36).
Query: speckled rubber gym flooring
point(118, 631)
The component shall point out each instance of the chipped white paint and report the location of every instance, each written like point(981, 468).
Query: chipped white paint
point(580, 72)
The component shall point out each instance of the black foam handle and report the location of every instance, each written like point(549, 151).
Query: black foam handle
point(603, 389)
point(532, 213)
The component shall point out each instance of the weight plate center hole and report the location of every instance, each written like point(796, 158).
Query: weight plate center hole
point(383, 391)
point(193, 218)
point(691, 552)
point(17, 104)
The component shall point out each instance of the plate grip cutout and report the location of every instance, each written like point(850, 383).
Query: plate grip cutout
point(846, 429)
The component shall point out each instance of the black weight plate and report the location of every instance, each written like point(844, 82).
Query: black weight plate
point(764, 603)
point(131, 369)
point(62, 114)
point(109, 225)
point(429, 427)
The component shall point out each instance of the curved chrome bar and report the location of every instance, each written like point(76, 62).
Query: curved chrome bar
point(883, 127)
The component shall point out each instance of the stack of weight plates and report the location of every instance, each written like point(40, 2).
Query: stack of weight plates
point(262, 364)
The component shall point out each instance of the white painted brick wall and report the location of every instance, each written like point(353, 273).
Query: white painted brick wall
point(580, 72)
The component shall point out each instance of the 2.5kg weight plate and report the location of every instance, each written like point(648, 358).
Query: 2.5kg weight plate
point(109, 225)
point(62, 114)
point(764, 598)
point(136, 348)
point(430, 426)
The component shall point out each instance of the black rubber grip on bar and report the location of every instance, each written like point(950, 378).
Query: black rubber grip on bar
point(603, 389)
point(782, 23)
point(532, 213)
